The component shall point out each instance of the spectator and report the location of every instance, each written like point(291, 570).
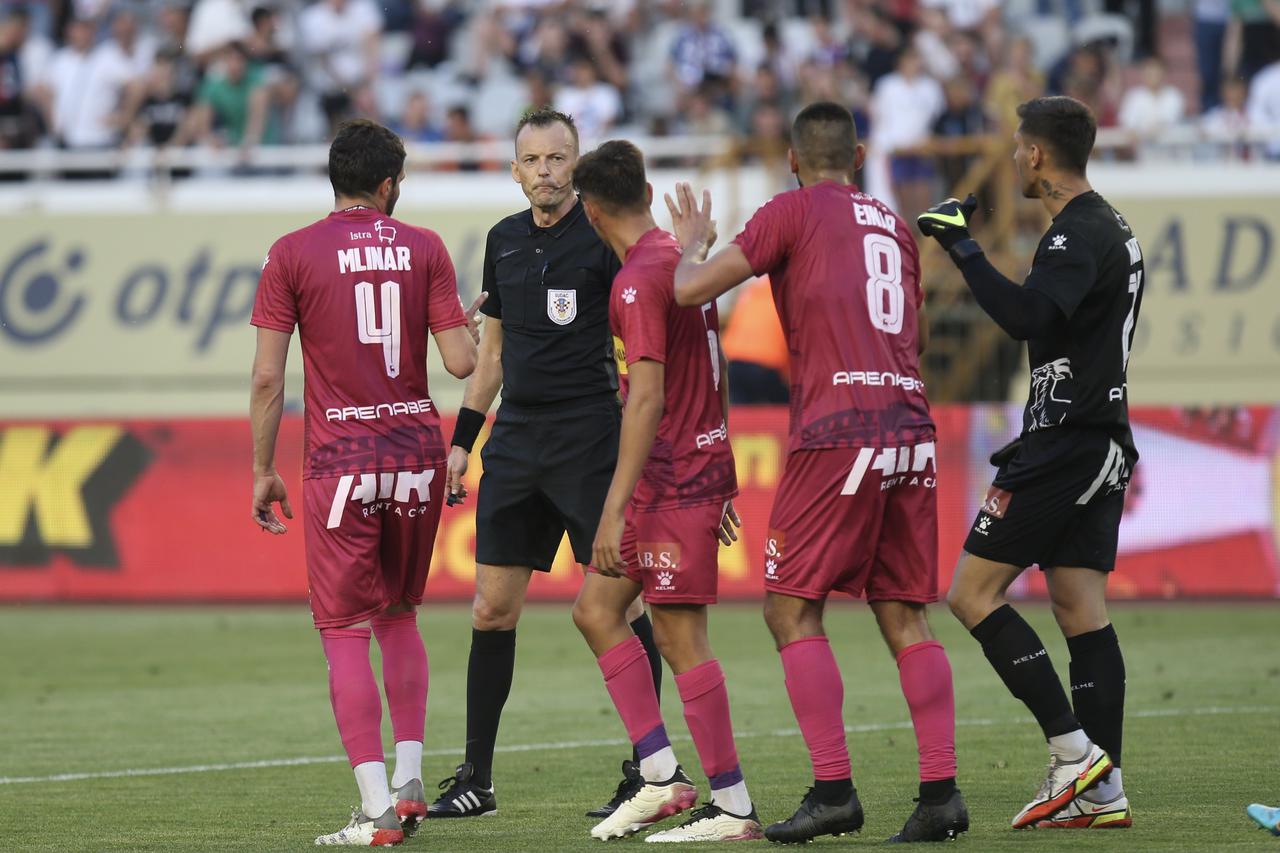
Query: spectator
point(232, 103)
point(1086, 76)
point(340, 41)
point(1259, 34)
point(18, 126)
point(962, 117)
point(1153, 105)
point(458, 128)
point(702, 54)
point(84, 91)
point(967, 14)
point(415, 123)
point(904, 106)
point(1210, 32)
point(767, 134)
point(540, 93)
point(546, 50)
point(161, 117)
point(34, 50)
point(172, 23)
point(1015, 82)
point(780, 62)
point(594, 105)
point(1228, 123)
point(827, 50)
point(130, 48)
point(1263, 105)
point(876, 42)
point(432, 31)
point(703, 115)
point(593, 37)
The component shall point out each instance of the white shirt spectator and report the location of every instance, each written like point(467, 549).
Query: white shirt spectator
point(86, 89)
point(333, 39)
point(963, 14)
point(33, 59)
point(594, 108)
point(1148, 111)
point(1263, 106)
point(214, 24)
point(903, 111)
point(139, 60)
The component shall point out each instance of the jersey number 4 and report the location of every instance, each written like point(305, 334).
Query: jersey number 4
point(386, 332)
point(885, 298)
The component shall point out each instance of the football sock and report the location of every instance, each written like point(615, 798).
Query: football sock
point(1070, 746)
point(629, 681)
point(405, 675)
point(643, 629)
point(357, 708)
point(1097, 687)
point(937, 791)
point(375, 796)
point(706, 710)
point(1021, 661)
point(489, 672)
point(832, 792)
point(925, 674)
point(1108, 789)
point(817, 698)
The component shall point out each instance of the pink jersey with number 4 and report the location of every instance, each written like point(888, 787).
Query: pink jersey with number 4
point(365, 291)
point(845, 273)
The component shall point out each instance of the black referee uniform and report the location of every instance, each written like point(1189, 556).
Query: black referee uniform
point(554, 443)
point(1058, 495)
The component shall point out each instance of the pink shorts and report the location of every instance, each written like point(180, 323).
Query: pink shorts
point(674, 553)
point(858, 520)
point(369, 539)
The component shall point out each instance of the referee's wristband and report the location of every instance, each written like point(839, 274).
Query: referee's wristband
point(964, 250)
point(467, 428)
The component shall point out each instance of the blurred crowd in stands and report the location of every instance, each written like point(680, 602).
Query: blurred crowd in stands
point(99, 74)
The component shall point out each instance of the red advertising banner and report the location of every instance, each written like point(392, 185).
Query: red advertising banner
point(160, 510)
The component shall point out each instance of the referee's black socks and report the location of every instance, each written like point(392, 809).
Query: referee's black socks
point(1097, 687)
point(1023, 664)
point(643, 629)
point(489, 672)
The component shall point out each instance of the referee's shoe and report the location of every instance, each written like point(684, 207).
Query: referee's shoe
point(462, 797)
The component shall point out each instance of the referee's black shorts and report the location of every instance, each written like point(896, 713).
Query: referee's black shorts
point(1056, 503)
point(546, 472)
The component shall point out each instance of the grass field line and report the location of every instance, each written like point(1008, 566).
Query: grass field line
point(857, 728)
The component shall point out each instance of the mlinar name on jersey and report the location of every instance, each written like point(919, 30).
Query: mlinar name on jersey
point(366, 258)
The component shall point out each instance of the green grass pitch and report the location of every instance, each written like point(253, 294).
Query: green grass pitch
point(101, 690)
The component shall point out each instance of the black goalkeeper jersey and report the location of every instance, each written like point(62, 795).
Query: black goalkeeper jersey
point(1089, 264)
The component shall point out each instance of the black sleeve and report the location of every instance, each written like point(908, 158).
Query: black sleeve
point(1064, 269)
point(492, 306)
point(1022, 312)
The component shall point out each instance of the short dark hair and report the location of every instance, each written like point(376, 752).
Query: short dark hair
point(824, 137)
point(613, 177)
point(545, 117)
point(362, 156)
point(1066, 126)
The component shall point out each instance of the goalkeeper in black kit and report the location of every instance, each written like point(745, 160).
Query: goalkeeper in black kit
point(1058, 492)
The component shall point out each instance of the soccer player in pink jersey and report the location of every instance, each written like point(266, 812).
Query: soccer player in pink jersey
point(364, 291)
point(856, 511)
point(668, 508)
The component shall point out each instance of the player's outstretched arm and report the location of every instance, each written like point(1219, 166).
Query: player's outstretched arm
point(698, 280)
point(1022, 312)
point(266, 406)
point(640, 419)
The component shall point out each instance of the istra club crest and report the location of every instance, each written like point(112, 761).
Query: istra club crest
point(562, 306)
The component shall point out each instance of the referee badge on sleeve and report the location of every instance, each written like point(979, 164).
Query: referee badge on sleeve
point(562, 306)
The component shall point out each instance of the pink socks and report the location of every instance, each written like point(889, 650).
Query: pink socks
point(817, 697)
point(926, 683)
point(404, 673)
point(629, 680)
point(706, 710)
point(354, 693)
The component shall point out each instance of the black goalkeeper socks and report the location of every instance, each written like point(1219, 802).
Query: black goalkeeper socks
point(643, 629)
point(489, 672)
point(1022, 662)
point(1097, 687)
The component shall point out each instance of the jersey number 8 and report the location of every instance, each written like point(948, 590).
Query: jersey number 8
point(885, 299)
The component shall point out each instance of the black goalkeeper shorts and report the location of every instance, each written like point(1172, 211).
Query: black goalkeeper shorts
point(546, 472)
point(1056, 501)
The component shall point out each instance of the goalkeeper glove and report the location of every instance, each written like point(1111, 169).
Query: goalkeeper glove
point(948, 221)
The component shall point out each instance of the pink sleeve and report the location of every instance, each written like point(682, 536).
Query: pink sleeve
point(444, 306)
point(275, 306)
point(913, 252)
point(643, 318)
point(771, 234)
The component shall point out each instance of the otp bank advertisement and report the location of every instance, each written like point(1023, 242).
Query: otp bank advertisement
point(159, 510)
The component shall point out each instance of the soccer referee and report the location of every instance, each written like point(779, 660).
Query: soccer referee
point(551, 454)
point(1058, 493)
